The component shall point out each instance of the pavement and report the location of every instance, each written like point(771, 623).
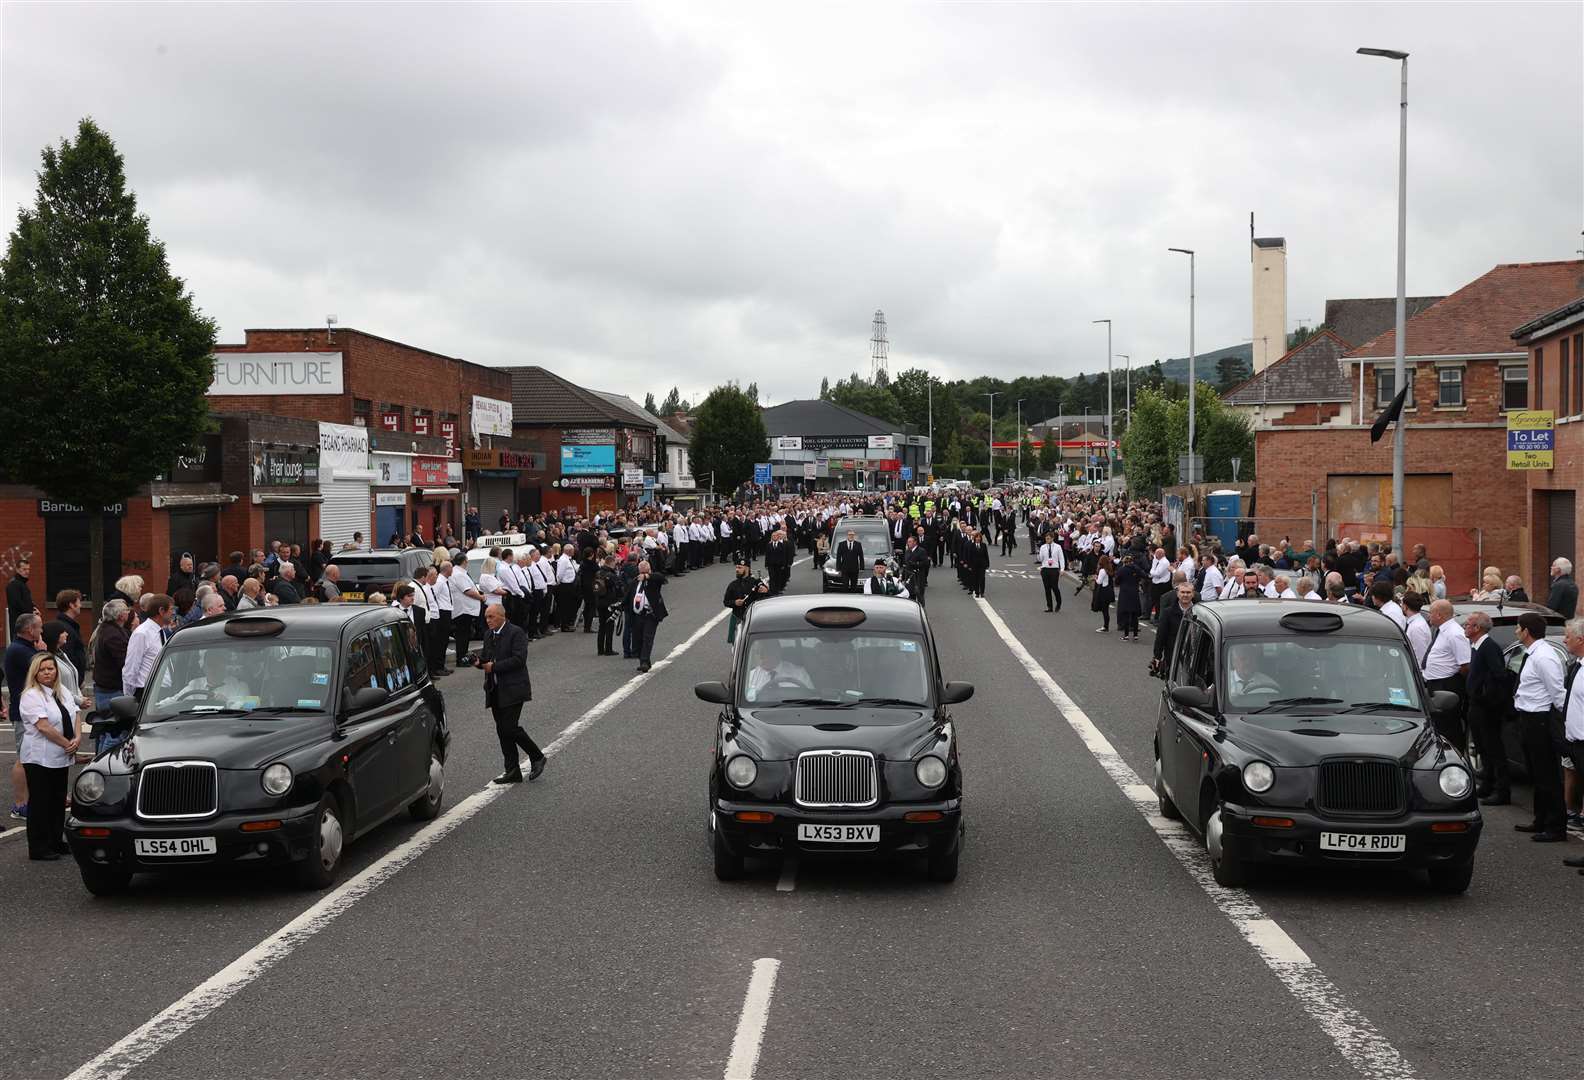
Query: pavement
point(572, 927)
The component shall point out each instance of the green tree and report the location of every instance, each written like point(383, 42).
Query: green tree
point(862, 395)
point(1025, 456)
point(107, 355)
point(825, 388)
point(1049, 452)
point(1229, 372)
point(674, 403)
point(753, 392)
point(728, 437)
point(649, 405)
point(1303, 334)
point(1223, 435)
point(1147, 446)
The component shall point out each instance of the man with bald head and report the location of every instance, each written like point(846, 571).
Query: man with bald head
point(1445, 663)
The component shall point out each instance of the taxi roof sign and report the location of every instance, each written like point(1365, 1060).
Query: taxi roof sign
point(490, 540)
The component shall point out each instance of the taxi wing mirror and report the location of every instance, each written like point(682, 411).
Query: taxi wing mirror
point(124, 708)
point(954, 693)
point(713, 692)
point(1192, 697)
point(1443, 702)
point(368, 697)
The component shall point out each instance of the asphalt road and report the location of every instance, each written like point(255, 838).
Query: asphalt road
point(573, 928)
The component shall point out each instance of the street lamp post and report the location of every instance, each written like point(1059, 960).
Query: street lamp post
point(1128, 382)
point(1402, 296)
point(991, 459)
point(1020, 402)
point(1108, 399)
point(1191, 358)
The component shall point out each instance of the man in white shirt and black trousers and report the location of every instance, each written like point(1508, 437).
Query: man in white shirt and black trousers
point(466, 603)
point(1445, 664)
point(1538, 699)
point(1052, 562)
point(1573, 709)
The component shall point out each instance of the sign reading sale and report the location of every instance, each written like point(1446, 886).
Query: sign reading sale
point(1531, 436)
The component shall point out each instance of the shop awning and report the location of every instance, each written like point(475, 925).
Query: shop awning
point(436, 493)
point(305, 497)
point(213, 498)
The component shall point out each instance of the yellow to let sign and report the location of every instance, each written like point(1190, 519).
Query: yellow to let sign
point(1531, 438)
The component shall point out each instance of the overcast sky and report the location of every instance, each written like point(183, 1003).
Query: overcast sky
point(636, 196)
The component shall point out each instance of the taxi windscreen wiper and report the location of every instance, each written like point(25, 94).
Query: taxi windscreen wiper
point(1372, 706)
point(820, 702)
point(887, 701)
point(1283, 702)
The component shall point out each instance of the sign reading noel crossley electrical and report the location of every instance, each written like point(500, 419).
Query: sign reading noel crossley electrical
point(264, 374)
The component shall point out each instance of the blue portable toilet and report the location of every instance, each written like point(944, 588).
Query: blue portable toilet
point(1225, 507)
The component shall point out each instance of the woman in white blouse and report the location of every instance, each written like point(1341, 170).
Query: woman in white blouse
point(49, 739)
point(490, 587)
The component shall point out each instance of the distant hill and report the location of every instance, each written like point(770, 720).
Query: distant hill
point(1176, 369)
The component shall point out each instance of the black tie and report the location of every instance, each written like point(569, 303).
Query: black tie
point(1434, 632)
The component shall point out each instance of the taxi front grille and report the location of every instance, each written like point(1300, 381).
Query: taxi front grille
point(178, 789)
point(836, 778)
point(1360, 787)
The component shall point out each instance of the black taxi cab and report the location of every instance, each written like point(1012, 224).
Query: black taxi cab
point(834, 737)
point(271, 737)
point(1299, 733)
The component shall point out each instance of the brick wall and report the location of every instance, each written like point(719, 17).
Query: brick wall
point(1292, 461)
point(1482, 392)
point(1318, 413)
point(1567, 472)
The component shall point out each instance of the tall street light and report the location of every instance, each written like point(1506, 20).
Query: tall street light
point(1402, 296)
point(1192, 478)
point(992, 396)
point(1108, 399)
point(1020, 402)
point(1128, 382)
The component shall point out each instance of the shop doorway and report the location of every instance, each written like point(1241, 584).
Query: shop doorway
point(287, 523)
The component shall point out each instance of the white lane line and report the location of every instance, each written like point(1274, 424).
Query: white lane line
point(788, 879)
point(1354, 1036)
point(176, 1018)
point(751, 1025)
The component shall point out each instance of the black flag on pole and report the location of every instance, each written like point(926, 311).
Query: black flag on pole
point(1393, 412)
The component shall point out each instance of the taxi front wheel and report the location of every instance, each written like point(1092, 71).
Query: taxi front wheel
point(1452, 880)
point(318, 870)
point(728, 867)
point(105, 880)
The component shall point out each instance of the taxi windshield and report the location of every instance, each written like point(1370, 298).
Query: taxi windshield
point(234, 677)
point(1318, 673)
point(835, 669)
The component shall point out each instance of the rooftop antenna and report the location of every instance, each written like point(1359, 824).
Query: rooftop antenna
point(330, 325)
point(879, 347)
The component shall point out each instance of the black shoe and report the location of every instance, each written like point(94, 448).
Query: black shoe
point(642, 668)
point(1501, 798)
point(535, 769)
point(513, 777)
point(63, 848)
point(50, 857)
point(1577, 860)
point(440, 672)
point(1552, 836)
point(1528, 826)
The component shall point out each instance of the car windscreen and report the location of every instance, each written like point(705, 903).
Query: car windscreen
point(1309, 673)
point(368, 567)
point(873, 535)
point(238, 676)
point(834, 669)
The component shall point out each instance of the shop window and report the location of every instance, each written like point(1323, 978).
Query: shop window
point(1449, 388)
point(362, 411)
point(1386, 386)
point(66, 563)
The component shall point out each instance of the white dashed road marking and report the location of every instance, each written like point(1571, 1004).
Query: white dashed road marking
point(1354, 1036)
point(751, 1024)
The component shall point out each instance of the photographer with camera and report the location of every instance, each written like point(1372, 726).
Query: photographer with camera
point(741, 591)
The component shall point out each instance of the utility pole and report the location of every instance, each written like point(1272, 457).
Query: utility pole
point(992, 397)
point(1020, 402)
point(1128, 408)
point(1108, 399)
point(1192, 472)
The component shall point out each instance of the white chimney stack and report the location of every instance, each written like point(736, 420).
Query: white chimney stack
point(1269, 257)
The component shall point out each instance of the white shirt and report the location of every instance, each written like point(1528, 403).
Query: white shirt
point(869, 590)
point(407, 610)
point(1212, 583)
point(1232, 590)
point(1086, 542)
point(427, 600)
point(442, 590)
point(1449, 651)
point(679, 534)
point(1160, 570)
point(1108, 543)
point(1051, 557)
point(460, 585)
point(1418, 633)
point(1540, 683)
point(566, 570)
point(759, 677)
point(539, 575)
point(143, 648)
point(1286, 594)
point(1269, 589)
point(1573, 725)
point(488, 584)
point(36, 749)
point(1392, 611)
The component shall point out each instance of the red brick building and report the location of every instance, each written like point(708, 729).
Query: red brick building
point(1466, 374)
point(1555, 343)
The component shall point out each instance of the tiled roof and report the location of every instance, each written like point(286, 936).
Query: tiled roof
point(816, 417)
point(543, 397)
point(1479, 317)
point(1309, 372)
point(1356, 321)
point(1538, 327)
point(622, 401)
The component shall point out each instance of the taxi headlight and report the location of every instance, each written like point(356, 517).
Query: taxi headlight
point(741, 771)
point(90, 787)
point(931, 771)
point(1455, 782)
point(1258, 777)
point(277, 779)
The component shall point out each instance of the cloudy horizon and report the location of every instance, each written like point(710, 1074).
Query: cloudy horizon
point(645, 196)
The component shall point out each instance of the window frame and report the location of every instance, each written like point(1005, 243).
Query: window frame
point(365, 639)
point(1442, 384)
point(1512, 375)
point(1578, 374)
point(1537, 380)
point(1384, 372)
point(394, 665)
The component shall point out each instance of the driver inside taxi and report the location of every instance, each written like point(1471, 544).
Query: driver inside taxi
point(1245, 675)
point(772, 669)
point(217, 682)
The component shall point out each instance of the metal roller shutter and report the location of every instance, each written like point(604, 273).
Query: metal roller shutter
point(1560, 509)
point(494, 497)
point(345, 510)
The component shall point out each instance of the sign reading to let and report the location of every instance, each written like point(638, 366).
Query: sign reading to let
point(1531, 436)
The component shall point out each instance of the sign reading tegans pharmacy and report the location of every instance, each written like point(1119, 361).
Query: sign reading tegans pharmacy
point(491, 416)
point(344, 447)
point(264, 374)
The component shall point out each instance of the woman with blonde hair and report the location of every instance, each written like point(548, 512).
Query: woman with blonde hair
point(49, 739)
point(1438, 583)
point(1490, 585)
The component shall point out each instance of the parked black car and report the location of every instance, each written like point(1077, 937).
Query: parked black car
point(264, 739)
point(1300, 734)
point(365, 572)
point(875, 538)
point(834, 737)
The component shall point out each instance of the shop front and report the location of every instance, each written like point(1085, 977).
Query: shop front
point(492, 481)
point(345, 480)
point(392, 483)
point(434, 497)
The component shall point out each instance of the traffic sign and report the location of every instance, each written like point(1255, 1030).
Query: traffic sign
point(907, 472)
point(762, 473)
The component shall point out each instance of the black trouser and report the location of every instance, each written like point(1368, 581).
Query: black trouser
point(462, 631)
point(1545, 770)
point(539, 620)
point(1050, 577)
point(607, 629)
point(1009, 542)
point(850, 580)
point(46, 808)
point(566, 604)
point(1487, 729)
point(588, 612)
point(1451, 726)
point(1158, 589)
point(1128, 622)
point(976, 580)
point(937, 549)
point(645, 633)
point(509, 730)
point(438, 636)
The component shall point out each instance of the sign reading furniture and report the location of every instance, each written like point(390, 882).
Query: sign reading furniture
point(264, 374)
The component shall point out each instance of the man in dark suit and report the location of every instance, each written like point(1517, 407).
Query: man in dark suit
point(915, 569)
point(978, 564)
point(850, 560)
point(778, 562)
point(506, 687)
point(1563, 597)
point(1489, 694)
point(1166, 634)
point(646, 607)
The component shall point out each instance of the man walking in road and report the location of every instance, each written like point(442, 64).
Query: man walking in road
point(506, 687)
point(1563, 597)
point(1052, 563)
point(850, 560)
point(647, 607)
point(1170, 620)
point(1488, 702)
